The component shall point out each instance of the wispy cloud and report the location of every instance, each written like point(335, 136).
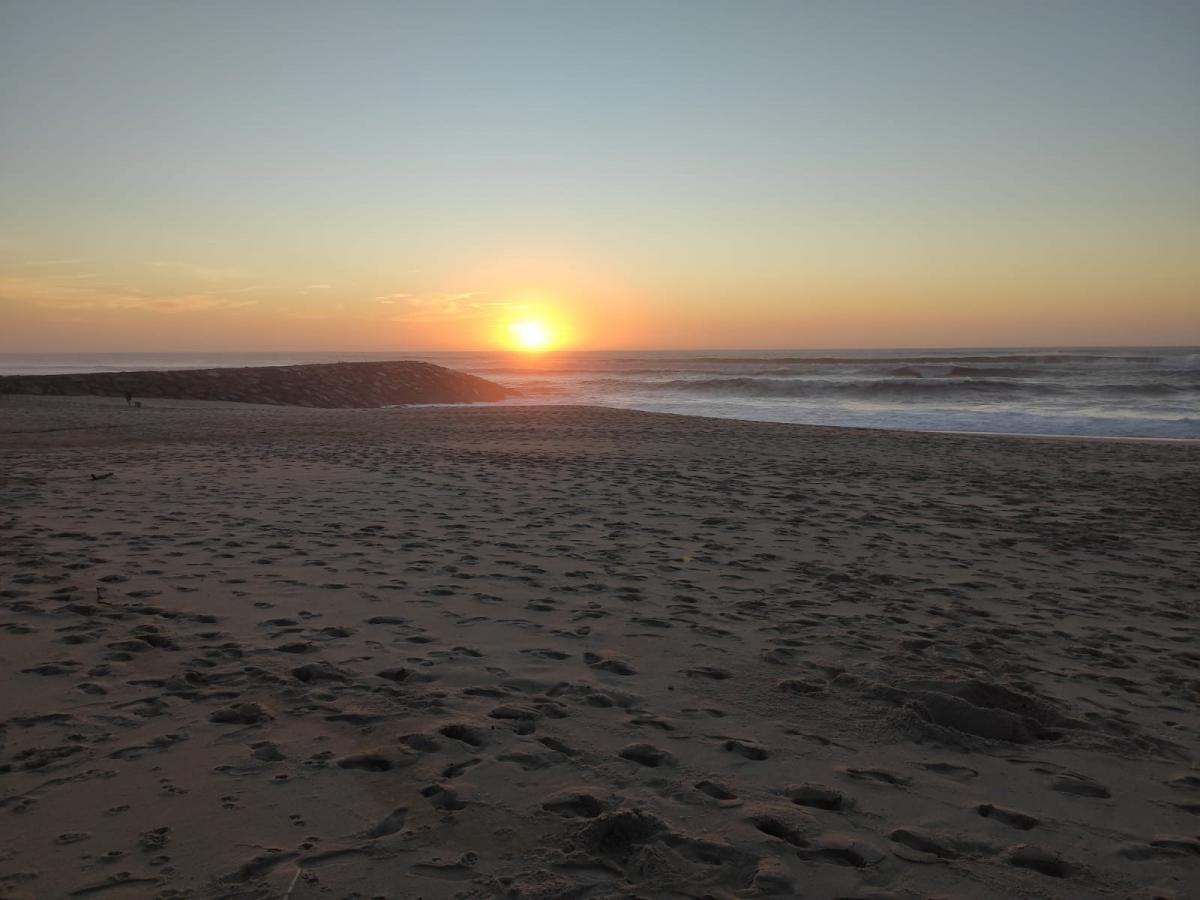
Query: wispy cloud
point(450, 307)
point(198, 271)
point(324, 312)
point(68, 261)
point(68, 293)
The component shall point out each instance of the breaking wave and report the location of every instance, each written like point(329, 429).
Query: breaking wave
point(794, 387)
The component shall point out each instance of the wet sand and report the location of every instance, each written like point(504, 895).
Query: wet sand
point(574, 652)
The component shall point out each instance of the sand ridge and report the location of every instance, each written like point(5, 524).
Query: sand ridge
point(573, 652)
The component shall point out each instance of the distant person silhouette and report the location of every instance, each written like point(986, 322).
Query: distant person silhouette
point(128, 398)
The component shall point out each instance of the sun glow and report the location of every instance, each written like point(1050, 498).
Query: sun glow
point(531, 335)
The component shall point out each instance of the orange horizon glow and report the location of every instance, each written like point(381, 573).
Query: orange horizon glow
point(60, 315)
point(534, 303)
point(570, 298)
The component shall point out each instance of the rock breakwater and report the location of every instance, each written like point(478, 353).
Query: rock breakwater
point(328, 385)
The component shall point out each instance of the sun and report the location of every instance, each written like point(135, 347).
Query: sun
point(531, 335)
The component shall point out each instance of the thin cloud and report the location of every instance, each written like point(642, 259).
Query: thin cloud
point(69, 261)
point(455, 307)
point(198, 271)
point(67, 294)
point(240, 290)
point(319, 314)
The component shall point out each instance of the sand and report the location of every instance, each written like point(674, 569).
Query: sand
point(574, 652)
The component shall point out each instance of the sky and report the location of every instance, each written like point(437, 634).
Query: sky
point(396, 175)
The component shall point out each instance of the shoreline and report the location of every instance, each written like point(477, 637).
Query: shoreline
point(183, 403)
point(1111, 392)
point(1013, 434)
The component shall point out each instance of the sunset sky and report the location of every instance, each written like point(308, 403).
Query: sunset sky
point(650, 174)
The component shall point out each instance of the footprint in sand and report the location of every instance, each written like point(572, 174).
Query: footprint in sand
point(575, 802)
point(609, 663)
point(817, 796)
point(381, 760)
point(389, 824)
point(443, 798)
point(724, 796)
point(746, 749)
point(466, 733)
point(781, 827)
point(1079, 786)
point(648, 755)
point(1027, 856)
point(878, 776)
point(1009, 817)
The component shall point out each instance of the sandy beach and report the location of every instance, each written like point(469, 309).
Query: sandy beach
point(570, 652)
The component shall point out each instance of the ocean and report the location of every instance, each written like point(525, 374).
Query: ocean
point(1115, 392)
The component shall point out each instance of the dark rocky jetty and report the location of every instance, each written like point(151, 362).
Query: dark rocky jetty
point(328, 385)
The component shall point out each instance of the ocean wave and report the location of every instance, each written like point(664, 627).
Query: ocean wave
point(799, 388)
point(1147, 389)
point(1050, 365)
point(997, 359)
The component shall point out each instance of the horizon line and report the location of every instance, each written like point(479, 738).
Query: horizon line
point(860, 349)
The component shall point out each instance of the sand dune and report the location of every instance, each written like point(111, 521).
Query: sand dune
point(573, 652)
